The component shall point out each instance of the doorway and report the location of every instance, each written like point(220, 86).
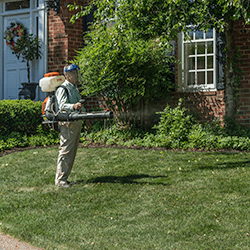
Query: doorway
point(15, 71)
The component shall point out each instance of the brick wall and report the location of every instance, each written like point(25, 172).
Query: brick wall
point(205, 106)
point(63, 37)
point(242, 42)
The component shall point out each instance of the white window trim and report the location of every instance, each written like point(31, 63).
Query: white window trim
point(182, 74)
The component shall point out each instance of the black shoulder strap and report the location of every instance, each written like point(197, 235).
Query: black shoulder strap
point(66, 90)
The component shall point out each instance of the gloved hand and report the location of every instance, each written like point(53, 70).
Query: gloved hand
point(78, 106)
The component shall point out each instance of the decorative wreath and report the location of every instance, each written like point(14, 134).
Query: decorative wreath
point(14, 31)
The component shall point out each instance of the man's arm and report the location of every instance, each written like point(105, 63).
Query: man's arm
point(62, 100)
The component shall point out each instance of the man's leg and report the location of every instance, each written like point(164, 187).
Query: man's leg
point(69, 139)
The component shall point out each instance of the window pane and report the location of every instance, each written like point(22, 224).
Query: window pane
point(191, 79)
point(199, 34)
point(210, 77)
point(201, 62)
point(17, 5)
point(200, 78)
point(189, 49)
point(191, 63)
point(210, 62)
point(210, 48)
point(209, 34)
point(201, 48)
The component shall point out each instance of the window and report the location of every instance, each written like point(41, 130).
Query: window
point(201, 68)
point(17, 5)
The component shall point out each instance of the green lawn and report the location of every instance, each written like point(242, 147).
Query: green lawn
point(128, 199)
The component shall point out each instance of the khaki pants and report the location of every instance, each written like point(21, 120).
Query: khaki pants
point(69, 140)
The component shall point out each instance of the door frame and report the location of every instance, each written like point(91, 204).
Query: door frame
point(37, 9)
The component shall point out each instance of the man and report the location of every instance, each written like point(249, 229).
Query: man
point(67, 100)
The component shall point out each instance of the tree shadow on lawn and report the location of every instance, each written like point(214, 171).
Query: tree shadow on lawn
point(227, 165)
point(129, 179)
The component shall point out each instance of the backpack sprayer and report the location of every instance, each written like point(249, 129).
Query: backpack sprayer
point(48, 84)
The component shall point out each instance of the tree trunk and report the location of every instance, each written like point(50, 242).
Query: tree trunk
point(28, 71)
point(229, 72)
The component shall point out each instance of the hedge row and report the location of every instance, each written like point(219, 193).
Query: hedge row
point(20, 116)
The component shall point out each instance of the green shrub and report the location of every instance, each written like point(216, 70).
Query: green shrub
point(176, 129)
point(20, 116)
point(176, 124)
point(234, 129)
point(127, 72)
point(41, 138)
point(202, 137)
point(234, 142)
point(21, 125)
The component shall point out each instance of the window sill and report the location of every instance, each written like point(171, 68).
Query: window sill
point(197, 89)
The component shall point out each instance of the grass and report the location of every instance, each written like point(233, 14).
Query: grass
point(128, 199)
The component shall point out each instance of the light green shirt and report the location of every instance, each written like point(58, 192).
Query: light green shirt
point(62, 101)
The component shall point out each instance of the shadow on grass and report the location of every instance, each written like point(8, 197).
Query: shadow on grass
point(129, 179)
point(227, 165)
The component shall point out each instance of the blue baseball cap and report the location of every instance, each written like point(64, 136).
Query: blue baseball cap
point(71, 67)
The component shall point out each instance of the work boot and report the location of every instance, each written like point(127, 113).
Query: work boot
point(65, 184)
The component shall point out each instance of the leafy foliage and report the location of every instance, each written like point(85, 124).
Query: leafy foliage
point(21, 116)
point(40, 138)
point(21, 125)
point(28, 48)
point(146, 19)
point(176, 129)
point(152, 18)
point(175, 123)
point(235, 129)
point(125, 72)
point(45, 139)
